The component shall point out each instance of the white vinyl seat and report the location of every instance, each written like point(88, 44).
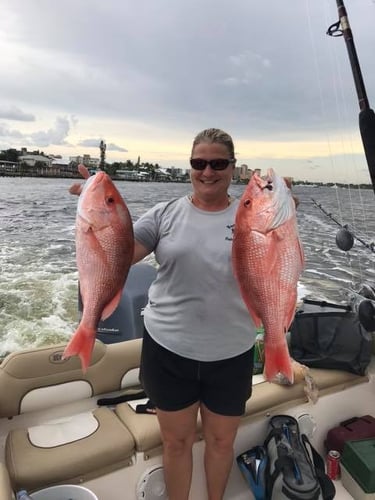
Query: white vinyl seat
point(73, 450)
point(59, 445)
point(5, 486)
point(266, 398)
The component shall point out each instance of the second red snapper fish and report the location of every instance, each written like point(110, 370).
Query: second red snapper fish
point(104, 252)
point(267, 261)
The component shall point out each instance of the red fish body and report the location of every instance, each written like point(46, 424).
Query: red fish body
point(104, 252)
point(267, 261)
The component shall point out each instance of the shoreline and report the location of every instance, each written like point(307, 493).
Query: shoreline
point(72, 175)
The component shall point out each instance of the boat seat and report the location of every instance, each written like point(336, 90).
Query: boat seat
point(40, 387)
point(6, 492)
point(266, 398)
point(274, 398)
point(37, 379)
point(71, 449)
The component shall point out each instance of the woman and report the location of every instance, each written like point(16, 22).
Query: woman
point(198, 342)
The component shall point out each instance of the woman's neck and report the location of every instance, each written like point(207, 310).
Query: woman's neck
point(210, 205)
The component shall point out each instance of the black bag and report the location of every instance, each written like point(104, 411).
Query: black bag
point(325, 335)
point(295, 470)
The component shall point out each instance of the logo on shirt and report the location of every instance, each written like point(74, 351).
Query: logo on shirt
point(231, 230)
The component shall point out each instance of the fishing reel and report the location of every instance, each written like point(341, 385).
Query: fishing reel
point(366, 308)
point(366, 314)
point(363, 304)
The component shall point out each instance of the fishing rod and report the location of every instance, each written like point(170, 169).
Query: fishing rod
point(366, 114)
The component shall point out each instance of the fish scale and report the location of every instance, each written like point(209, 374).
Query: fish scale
point(104, 252)
point(267, 261)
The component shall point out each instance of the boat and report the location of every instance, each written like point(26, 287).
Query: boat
point(59, 426)
point(65, 430)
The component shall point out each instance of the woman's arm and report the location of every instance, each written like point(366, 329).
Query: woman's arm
point(140, 252)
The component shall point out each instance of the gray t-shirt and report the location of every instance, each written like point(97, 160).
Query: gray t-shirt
point(195, 308)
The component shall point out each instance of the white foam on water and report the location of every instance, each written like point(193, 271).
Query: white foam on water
point(302, 291)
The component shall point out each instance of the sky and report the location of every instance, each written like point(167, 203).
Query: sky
point(146, 76)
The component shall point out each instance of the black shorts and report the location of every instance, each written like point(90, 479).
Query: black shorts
point(173, 382)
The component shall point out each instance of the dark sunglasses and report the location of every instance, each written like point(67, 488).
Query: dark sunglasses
point(218, 164)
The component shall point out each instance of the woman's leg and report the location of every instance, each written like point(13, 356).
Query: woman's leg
point(178, 432)
point(219, 434)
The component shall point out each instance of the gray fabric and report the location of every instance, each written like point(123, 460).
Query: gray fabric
point(195, 308)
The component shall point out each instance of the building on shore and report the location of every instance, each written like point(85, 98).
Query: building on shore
point(242, 173)
point(32, 160)
point(86, 160)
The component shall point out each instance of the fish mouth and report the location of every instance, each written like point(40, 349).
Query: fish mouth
point(266, 181)
point(268, 186)
point(269, 179)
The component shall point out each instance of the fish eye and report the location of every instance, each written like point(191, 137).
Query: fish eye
point(110, 200)
point(246, 203)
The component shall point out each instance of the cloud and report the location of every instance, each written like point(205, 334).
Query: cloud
point(55, 135)
point(94, 143)
point(114, 147)
point(261, 77)
point(15, 113)
point(6, 132)
point(89, 143)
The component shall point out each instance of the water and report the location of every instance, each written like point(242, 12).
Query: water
point(38, 287)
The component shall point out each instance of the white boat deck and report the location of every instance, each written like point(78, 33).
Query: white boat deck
point(343, 402)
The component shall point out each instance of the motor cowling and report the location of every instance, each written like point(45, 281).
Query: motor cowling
point(126, 322)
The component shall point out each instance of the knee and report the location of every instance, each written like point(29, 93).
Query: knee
point(178, 446)
point(220, 445)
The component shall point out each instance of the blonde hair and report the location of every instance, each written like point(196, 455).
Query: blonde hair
point(215, 135)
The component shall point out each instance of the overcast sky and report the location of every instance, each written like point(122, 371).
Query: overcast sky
point(147, 75)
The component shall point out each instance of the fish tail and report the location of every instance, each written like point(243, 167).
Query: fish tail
point(278, 362)
point(81, 344)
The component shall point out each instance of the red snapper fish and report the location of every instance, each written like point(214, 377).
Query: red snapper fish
point(104, 252)
point(267, 260)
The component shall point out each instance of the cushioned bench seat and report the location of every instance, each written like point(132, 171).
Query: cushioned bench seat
point(266, 398)
point(72, 449)
point(5, 487)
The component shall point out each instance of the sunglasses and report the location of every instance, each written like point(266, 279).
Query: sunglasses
point(218, 164)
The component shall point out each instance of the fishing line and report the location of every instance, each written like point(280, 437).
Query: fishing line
point(335, 30)
point(343, 112)
point(319, 83)
point(342, 116)
point(323, 107)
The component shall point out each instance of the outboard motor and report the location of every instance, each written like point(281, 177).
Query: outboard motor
point(126, 322)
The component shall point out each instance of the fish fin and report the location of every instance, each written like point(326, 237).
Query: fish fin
point(111, 306)
point(82, 169)
point(278, 362)
point(256, 319)
point(253, 313)
point(76, 189)
point(280, 232)
point(81, 344)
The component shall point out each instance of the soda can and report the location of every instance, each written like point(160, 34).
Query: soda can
point(333, 464)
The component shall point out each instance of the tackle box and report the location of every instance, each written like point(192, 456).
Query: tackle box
point(349, 430)
point(351, 485)
point(358, 458)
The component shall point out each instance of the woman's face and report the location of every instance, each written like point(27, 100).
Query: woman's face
point(208, 184)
